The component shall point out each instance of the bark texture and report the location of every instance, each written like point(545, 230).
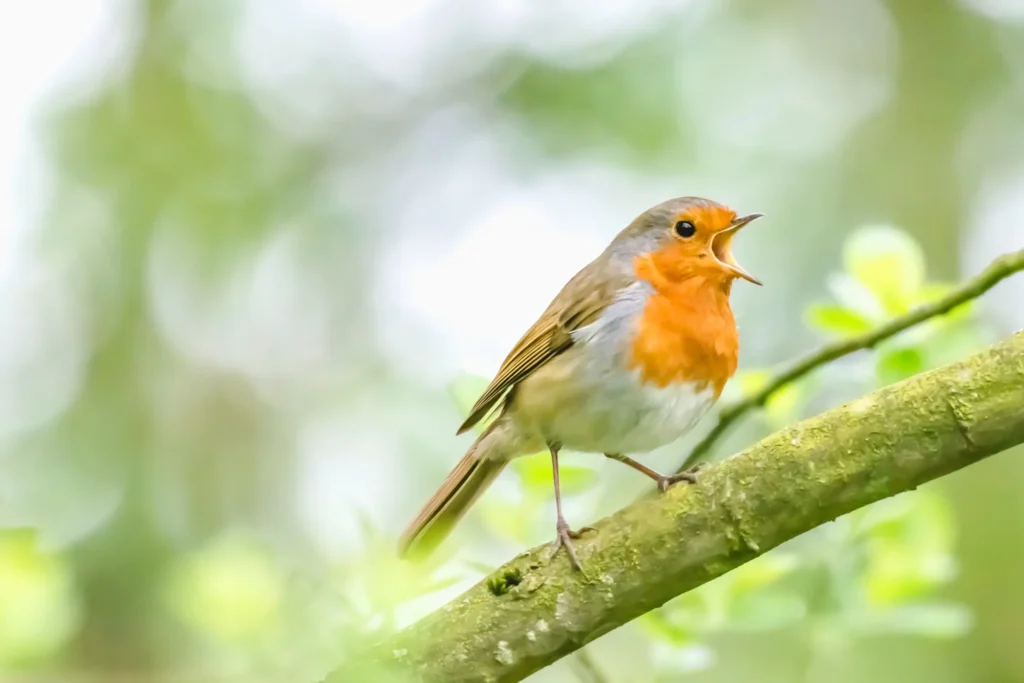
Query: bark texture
point(532, 612)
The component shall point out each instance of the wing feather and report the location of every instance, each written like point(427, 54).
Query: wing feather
point(580, 303)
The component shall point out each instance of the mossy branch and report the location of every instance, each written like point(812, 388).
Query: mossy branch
point(1003, 267)
point(890, 441)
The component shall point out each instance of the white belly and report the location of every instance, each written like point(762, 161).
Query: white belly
point(622, 415)
point(605, 407)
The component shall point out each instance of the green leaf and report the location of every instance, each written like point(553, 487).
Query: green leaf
point(932, 620)
point(895, 365)
point(931, 292)
point(836, 319)
point(536, 477)
point(889, 262)
point(854, 295)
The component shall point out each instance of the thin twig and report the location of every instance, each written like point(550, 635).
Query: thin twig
point(591, 671)
point(998, 270)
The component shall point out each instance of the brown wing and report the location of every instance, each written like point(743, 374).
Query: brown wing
point(579, 303)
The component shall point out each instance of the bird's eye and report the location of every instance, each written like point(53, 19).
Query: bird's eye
point(685, 229)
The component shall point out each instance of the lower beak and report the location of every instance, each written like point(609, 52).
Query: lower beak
point(722, 243)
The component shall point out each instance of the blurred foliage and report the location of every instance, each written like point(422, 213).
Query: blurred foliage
point(225, 347)
point(874, 572)
point(231, 591)
point(39, 606)
point(884, 276)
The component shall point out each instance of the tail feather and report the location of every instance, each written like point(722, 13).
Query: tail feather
point(463, 485)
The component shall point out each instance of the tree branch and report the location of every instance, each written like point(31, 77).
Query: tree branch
point(998, 270)
point(652, 551)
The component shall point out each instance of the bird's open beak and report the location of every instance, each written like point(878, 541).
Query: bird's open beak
point(721, 246)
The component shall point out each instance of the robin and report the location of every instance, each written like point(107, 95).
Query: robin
point(627, 358)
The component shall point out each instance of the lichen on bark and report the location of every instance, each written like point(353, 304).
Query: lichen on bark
point(890, 441)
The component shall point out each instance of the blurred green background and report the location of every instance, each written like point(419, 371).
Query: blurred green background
point(255, 258)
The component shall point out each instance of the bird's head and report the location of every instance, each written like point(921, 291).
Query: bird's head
point(683, 239)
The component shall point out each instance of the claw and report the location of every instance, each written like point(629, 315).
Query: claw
point(563, 539)
point(689, 475)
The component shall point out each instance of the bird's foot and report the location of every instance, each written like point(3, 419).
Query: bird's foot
point(563, 539)
point(690, 475)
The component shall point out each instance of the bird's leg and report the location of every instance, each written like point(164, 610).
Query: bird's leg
point(664, 480)
point(564, 534)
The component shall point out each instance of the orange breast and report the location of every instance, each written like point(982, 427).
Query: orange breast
point(686, 333)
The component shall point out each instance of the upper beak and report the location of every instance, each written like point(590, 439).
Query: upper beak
point(721, 247)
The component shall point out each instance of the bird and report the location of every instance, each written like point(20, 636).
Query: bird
point(627, 358)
